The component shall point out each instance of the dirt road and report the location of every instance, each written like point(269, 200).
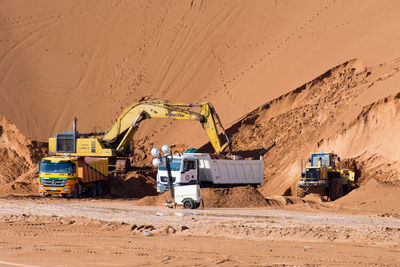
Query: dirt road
point(60, 232)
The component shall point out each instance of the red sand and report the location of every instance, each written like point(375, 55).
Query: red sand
point(272, 80)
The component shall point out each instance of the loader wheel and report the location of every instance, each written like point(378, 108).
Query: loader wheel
point(335, 188)
point(297, 191)
point(300, 192)
point(188, 204)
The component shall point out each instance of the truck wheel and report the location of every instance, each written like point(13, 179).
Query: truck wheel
point(75, 194)
point(188, 204)
point(335, 188)
point(93, 192)
point(100, 189)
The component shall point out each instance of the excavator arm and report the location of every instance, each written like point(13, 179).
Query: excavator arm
point(116, 140)
point(127, 123)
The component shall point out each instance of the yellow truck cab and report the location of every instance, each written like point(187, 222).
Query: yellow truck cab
point(72, 176)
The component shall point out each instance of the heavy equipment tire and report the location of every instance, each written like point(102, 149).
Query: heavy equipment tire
point(188, 204)
point(335, 188)
point(99, 189)
point(93, 190)
point(299, 191)
point(75, 194)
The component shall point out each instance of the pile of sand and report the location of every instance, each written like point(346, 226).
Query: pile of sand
point(373, 196)
point(63, 59)
point(236, 197)
point(135, 184)
point(18, 159)
point(336, 112)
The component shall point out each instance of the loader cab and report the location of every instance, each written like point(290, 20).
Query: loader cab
point(324, 160)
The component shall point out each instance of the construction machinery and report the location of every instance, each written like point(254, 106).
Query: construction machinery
point(73, 176)
point(201, 169)
point(324, 176)
point(114, 144)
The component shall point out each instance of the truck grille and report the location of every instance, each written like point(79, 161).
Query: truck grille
point(55, 183)
point(164, 179)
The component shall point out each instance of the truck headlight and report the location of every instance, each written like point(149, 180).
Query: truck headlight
point(66, 189)
point(41, 187)
point(160, 188)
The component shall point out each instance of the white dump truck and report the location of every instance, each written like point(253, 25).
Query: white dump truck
point(199, 168)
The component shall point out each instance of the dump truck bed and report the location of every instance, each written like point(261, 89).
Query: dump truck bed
point(92, 169)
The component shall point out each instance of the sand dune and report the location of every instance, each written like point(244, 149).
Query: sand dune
point(268, 67)
point(336, 112)
point(91, 59)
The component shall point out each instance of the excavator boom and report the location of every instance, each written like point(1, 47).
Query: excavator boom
point(127, 123)
point(117, 138)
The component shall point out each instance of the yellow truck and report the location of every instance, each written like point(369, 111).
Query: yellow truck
point(73, 176)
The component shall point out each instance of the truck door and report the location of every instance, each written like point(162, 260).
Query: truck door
point(189, 174)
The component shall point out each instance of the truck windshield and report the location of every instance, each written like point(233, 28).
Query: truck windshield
point(325, 160)
point(175, 165)
point(55, 167)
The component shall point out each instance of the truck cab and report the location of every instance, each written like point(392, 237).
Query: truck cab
point(184, 171)
point(57, 175)
point(72, 176)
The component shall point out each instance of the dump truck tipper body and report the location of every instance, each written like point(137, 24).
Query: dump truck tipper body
point(72, 176)
point(199, 168)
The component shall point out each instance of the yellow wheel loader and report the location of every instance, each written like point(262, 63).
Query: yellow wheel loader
point(323, 176)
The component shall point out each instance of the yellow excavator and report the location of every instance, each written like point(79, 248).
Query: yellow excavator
point(115, 142)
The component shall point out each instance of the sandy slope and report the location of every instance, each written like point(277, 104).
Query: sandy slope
point(350, 109)
point(92, 58)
